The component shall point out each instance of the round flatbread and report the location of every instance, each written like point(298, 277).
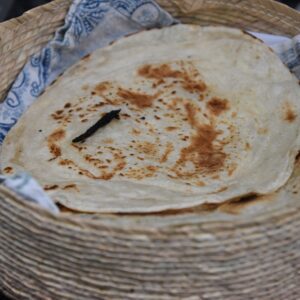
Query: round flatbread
point(171, 118)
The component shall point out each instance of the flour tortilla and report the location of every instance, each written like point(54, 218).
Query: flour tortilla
point(207, 114)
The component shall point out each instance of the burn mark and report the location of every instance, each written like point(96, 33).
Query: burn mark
point(193, 86)
point(136, 131)
point(86, 57)
point(202, 151)
point(163, 71)
point(71, 186)
point(247, 146)
point(160, 72)
point(55, 150)
point(50, 187)
point(8, 170)
point(101, 88)
point(171, 128)
point(167, 152)
point(146, 148)
point(232, 169)
point(297, 158)
point(289, 114)
point(108, 141)
point(141, 100)
point(217, 106)
point(53, 139)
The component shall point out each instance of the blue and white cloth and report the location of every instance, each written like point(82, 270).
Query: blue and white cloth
point(89, 25)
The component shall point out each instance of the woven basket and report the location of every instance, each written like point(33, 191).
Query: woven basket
point(249, 250)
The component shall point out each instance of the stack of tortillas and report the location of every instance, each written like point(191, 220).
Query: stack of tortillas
point(201, 115)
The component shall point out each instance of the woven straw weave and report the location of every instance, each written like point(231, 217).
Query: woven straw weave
point(200, 254)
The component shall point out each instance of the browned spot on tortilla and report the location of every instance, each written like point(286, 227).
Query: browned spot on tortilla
point(215, 177)
point(58, 115)
point(217, 106)
point(247, 146)
point(136, 131)
point(159, 72)
point(174, 102)
point(194, 86)
point(191, 114)
point(202, 151)
point(289, 114)
point(231, 169)
point(171, 128)
point(223, 189)
point(262, 131)
point(200, 183)
point(67, 105)
point(125, 115)
point(66, 162)
point(151, 168)
point(53, 138)
point(147, 148)
point(86, 57)
point(234, 114)
point(18, 152)
point(297, 158)
point(141, 100)
point(8, 169)
point(57, 135)
point(163, 71)
point(50, 187)
point(167, 152)
point(71, 186)
point(85, 87)
point(83, 172)
point(103, 176)
point(95, 161)
point(141, 173)
point(102, 87)
point(75, 145)
point(108, 141)
point(55, 150)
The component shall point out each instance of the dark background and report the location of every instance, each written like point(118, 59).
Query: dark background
point(14, 8)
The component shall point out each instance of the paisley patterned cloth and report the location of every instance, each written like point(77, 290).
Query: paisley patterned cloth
point(91, 24)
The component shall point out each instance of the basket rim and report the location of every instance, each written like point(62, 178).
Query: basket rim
point(12, 25)
point(51, 7)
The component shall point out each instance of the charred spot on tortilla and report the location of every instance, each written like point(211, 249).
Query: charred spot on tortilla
point(50, 187)
point(105, 120)
point(8, 169)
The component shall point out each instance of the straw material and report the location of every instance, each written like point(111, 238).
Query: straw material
point(200, 254)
